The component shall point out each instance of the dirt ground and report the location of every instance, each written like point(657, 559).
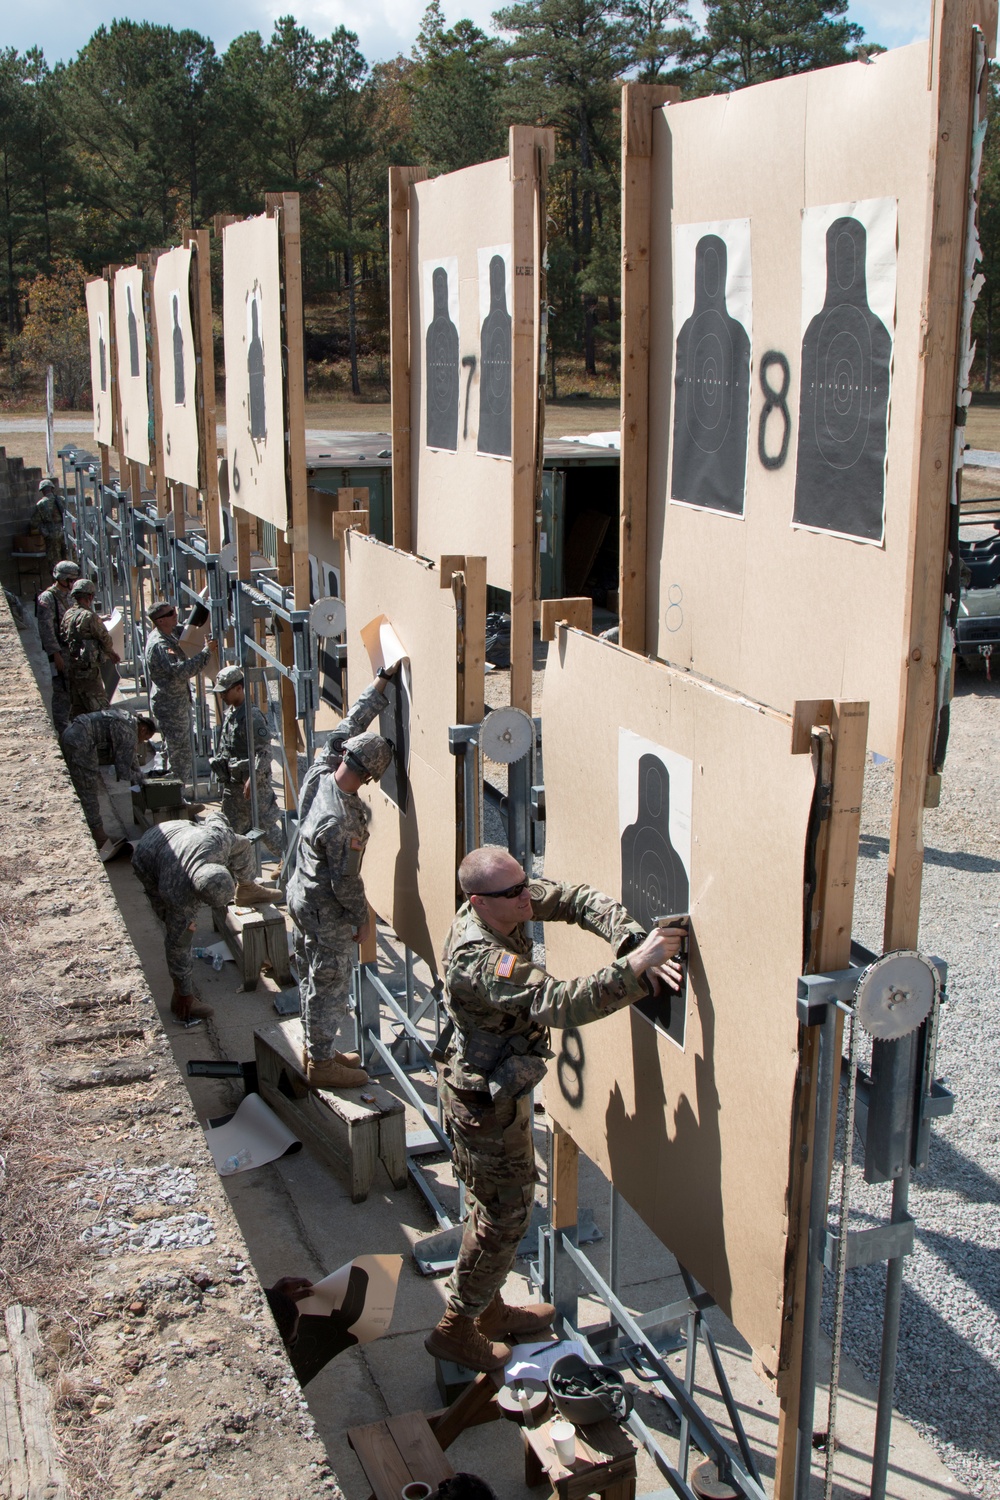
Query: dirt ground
point(165, 1365)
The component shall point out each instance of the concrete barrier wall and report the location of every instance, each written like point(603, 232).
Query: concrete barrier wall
point(18, 493)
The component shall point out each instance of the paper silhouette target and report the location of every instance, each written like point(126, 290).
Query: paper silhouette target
point(441, 352)
point(655, 788)
point(255, 404)
point(850, 251)
point(130, 347)
point(175, 366)
point(712, 365)
point(99, 327)
point(495, 352)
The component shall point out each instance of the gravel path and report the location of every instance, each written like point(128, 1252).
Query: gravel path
point(948, 1382)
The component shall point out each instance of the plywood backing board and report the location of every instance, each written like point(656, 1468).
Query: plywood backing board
point(460, 498)
point(101, 355)
point(131, 349)
point(782, 612)
point(695, 1137)
point(255, 406)
point(409, 868)
point(176, 361)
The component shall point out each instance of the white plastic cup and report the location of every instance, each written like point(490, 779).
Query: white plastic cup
point(415, 1490)
point(564, 1441)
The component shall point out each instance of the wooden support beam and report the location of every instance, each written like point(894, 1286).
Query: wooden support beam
point(472, 675)
point(353, 497)
point(840, 755)
point(578, 613)
point(244, 550)
point(204, 353)
point(298, 502)
point(400, 181)
point(286, 655)
point(348, 520)
point(639, 100)
point(952, 66)
point(565, 1179)
point(524, 405)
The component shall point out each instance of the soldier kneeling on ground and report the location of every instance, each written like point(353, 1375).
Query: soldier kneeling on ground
point(183, 866)
point(231, 763)
point(501, 1005)
point(109, 737)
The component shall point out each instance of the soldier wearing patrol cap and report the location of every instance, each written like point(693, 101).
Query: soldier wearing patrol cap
point(50, 607)
point(170, 672)
point(231, 763)
point(501, 1006)
point(326, 895)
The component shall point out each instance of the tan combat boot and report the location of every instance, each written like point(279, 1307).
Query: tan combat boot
point(188, 1008)
point(498, 1321)
point(330, 1074)
point(248, 893)
point(458, 1338)
point(349, 1059)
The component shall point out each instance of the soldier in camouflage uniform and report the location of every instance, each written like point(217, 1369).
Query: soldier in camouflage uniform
point(502, 1005)
point(110, 737)
point(50, 607)
point(183, 865)
point(88, 644)
point(231, 763)
point(48, 521)
point(170, 673)
point(326, 895)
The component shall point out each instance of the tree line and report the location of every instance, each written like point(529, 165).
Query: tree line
point(149, 129)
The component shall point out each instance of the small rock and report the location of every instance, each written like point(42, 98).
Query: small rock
point(101, 1403)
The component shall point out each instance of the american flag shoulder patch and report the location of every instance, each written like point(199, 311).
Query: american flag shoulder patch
point(505, 965)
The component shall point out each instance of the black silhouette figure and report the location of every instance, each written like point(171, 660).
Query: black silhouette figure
point(175, 302)
point(494, 385)
point(654, 880)
point(255, 370)
point(133, 334)
point(711, 392)
point(394, 726)
point(320, 1339)
point(102, 353)
point(844, 399)
point(442, 370)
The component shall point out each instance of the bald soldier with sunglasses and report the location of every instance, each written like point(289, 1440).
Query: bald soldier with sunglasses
point(501, 1005)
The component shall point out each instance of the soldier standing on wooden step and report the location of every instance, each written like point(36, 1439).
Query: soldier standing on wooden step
point(326, 895)
point(501, 1006)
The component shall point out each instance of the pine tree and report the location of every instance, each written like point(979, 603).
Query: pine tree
point(749, 41)
point(457, 84)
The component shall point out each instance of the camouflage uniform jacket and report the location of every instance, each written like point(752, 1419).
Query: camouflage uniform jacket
point(169, 669)
point(333, 824)
point(114, 737)
point(502, 1004)
point(172, 853)
point(48, 516)
point(50, 607)
point(233, 743)
point(78, 627)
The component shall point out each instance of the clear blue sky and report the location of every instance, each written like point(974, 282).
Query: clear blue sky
point(385, 27)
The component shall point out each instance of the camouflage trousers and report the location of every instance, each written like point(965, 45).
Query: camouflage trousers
point(62, 707)
point(84, 770)
point(87, 693)
point(324, 955)
point(495, 1158)
point(178, 936)
point(236, 811)
point(173, 715)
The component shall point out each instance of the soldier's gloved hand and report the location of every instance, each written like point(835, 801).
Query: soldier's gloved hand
point(219, 767)
point(385, 673)
point(654, 955)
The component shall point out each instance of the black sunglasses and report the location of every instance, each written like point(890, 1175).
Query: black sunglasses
point(508, 894)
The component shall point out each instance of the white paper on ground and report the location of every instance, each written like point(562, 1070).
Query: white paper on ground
point(327, 1296)
point(382, 643)
point(254, 1129)
point(534, 1361)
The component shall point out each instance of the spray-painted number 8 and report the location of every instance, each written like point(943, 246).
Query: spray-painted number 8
point(774, 401)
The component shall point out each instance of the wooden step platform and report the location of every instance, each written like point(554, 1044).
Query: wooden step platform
point(256, 935)
point(352, 1129)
